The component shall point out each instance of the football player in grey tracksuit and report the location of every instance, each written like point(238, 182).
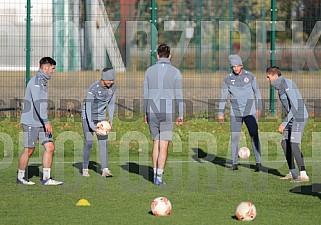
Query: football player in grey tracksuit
point(100, 96)
point(162, 88)
point(293, 125)
point(36, 125)
point(246, 106)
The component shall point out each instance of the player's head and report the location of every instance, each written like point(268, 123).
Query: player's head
point(108, 77)
point(274, 70)
point(236, 63)
point(272, 73)
point(163, 51)
point(48, 65)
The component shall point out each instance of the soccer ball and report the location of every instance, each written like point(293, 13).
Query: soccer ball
point(246, 211)
point(103, 127)
point(244, 153)
point(161, 206)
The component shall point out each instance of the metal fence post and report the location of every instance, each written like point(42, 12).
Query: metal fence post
point(153, 33)
point(272, 52)
point(28, 45)
point(199, 37)
point(231, 18)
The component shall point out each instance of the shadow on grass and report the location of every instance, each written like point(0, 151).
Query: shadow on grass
point(224, 162)
point(92, 166)
point(33, 171)
point(234, 217)
point(312, 190)
point(201, 155)
point(145, 171)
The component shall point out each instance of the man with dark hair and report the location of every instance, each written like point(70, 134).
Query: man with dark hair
point(163, 51)
point(47, 60)
point(162, 88)
point(35, 123)
point(243, 89)
point(293, 125)
point(100, 95)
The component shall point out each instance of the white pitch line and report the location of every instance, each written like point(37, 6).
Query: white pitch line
point(179, 161)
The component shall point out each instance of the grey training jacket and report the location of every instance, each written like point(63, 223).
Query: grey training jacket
point(245, 95)
point(97, 100)
point(34, 113)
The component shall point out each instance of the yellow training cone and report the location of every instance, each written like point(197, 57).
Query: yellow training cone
point(83, 202)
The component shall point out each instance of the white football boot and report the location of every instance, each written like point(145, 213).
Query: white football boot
point(52, 182)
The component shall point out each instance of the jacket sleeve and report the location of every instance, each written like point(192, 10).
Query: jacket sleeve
point(224, 93)
point(294, 106)
point(257, 93)
point(88, 109)
point(40, 102)
point(146, 94)
point(111, 108)
point(179, 94)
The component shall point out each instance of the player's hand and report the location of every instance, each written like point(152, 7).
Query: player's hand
point(145, 119)
point(281, 129)
point(108, 130)
point(179, 121)
point(220, 119)
point(98, 128)
point(48, 128)
point(258, 113)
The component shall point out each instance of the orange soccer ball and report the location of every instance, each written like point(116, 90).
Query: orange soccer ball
point(103, 127)
point(161, 206)
point(246, 211)
point(244, 152)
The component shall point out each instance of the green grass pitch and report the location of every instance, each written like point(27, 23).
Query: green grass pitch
point(199, 184)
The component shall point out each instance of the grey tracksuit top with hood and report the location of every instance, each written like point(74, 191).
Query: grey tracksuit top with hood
point(241, 89)
point(291, 100)
point(96, 103)
point(162, 86)
point(34, 113)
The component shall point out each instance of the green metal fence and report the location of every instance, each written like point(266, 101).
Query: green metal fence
point(85, 36)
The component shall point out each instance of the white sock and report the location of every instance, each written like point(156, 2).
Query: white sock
point(105, 169)
point(21, 174)
point(46, 173)
point(160, 172)
point(303, 174)
point(155, 171)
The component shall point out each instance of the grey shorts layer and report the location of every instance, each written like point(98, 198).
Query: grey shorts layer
point(294, 131)
point(31, 134)
point(160, 127)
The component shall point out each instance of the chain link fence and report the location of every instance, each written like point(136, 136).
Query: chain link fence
point(85, 36)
